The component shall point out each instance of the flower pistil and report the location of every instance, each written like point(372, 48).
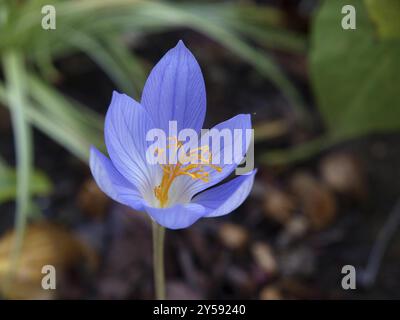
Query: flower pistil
point(200, 158)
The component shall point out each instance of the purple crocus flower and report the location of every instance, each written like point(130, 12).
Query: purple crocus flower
point(175, 196)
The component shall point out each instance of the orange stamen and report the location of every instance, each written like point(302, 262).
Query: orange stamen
point(193, 170)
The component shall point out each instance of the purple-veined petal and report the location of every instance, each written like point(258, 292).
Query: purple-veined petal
point(111, 182)
point(241, 122)
point(126, 126)
point(175, 90)
point(177, 217)
point(225, 198)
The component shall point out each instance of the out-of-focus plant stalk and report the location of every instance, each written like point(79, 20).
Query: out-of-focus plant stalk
point(13, 66)
point(158, 260)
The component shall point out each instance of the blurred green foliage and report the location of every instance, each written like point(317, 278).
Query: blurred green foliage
point(385, 14)
point(40, 185)
point(100, 28)
point(105, 30)
point(355, 75)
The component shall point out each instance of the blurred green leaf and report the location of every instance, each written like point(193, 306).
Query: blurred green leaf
point(57, 118)
point(385, 14)
point(263, 24)
point(104, 30)
point(15, 78)
point(91, 26)
point(101, 54)
point(355, 75)
point(40, 185)
point(69, 111)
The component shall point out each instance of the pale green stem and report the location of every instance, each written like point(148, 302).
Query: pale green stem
point(158, 260)
point(13, 66)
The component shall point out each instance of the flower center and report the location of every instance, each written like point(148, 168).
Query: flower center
point(200, 158)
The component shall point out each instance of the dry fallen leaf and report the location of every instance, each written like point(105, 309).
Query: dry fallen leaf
point(278, 205)
point(44, 244)
point(295, 229)
point(233, 236)
point(271, 293)
point(317, 200)
point(264, 258)
point(91, 200)
point(343, 173)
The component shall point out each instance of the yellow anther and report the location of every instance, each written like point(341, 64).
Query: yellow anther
point(194, 170)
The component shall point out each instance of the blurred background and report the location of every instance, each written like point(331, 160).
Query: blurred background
point(325, 105)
